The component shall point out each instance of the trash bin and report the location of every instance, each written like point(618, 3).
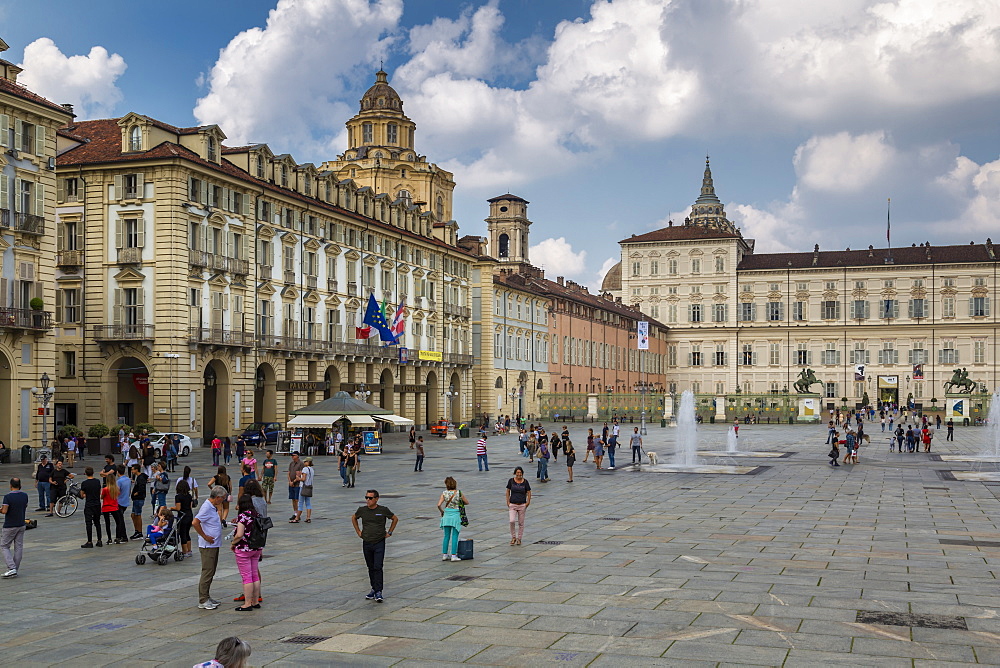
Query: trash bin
point(791, 419)
point(463, 432)
point(25, 454)
point(663, 423)
point(711, 419)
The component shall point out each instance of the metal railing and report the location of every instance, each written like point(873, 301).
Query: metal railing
point(130, 255)
point(352, 289)
point(28, 222)
point(220, 336)
point(219, 262)
point(331, 284)
point(452, 309)
point(458, 359)
point(289, 276)
point(312, 282)
point(70, 258)
point(23, 318)
point(264, 272)
point(135, 332)
point(4, 217)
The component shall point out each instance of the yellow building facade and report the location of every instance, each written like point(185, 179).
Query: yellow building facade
point(894, 325)
point(213, 286)
point(28, 124)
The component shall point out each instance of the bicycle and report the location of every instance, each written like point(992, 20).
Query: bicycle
point(66, 505)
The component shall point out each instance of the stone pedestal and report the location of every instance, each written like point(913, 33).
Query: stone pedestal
point(592, 406)
point(720, 409)
point(810, 408)
point(668, 410)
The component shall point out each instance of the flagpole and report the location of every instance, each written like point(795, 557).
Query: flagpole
point(888, 229)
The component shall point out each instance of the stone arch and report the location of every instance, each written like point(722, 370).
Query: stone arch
point(499, 383)
point(332, 379)
point(387, 393)
point(432, 398)
point(265, 396)
point(215, 400)
point(458, 400)
point(126, 389)
point(8, 414)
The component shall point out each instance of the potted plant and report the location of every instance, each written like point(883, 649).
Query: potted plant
point(37, 317)
point(98, 434)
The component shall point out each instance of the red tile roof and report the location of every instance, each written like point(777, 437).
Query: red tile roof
point(104, 146)
point(907, 255)
point(680, 233)
point(17, 90)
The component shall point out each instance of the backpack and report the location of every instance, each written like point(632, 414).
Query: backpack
point(257, 538)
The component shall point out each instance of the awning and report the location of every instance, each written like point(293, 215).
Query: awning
point(394, 419)
point(329, 420)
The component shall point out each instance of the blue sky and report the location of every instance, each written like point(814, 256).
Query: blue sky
point(599, 113)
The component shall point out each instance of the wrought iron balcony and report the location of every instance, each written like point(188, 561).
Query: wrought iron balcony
point(27, 222)
point(70, 258)
point(136, 332)
point(129, 256)
point(219, 262)
point(222, 337)
point(312, 282)
point(4, 217)
point(23, 318)
point(289, 277)
point(264, 272)
point(452, 309)
point(457, 359)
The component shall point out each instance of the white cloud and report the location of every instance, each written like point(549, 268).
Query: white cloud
point(979, 187)
point(288, 83)
point(87, 82)
point(843, 162)
point(595, 286)
point(557, 258)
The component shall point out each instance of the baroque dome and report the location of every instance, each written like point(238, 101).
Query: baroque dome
point(613, 279)
point(381, 95)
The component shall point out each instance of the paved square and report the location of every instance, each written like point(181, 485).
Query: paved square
point(618, 568)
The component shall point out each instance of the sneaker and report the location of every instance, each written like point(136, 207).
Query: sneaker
point(454, 557)
point(135, 536)
point(87, 545)
point(100, 544)
point(370, 595)
point(208, 605)
point(378, 597)
point(213, 601)
point(444, 557)
point(48, 515)
point(611, 468)
point(12, 573)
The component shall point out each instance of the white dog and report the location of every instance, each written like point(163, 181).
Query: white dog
point(652, 458)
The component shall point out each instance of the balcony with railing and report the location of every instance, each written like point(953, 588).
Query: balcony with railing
point(352, 289)
point(289, 277)
point(264, 272)
point(70, 258)
point(222, 337)
point(312, 282)
point(458, 359)
point(29, 222)
point(461, 311)
point(23, 318)
point(130, 255)
point(331, 284)
point(133, 332)
point(219, 262)
point(4, 217)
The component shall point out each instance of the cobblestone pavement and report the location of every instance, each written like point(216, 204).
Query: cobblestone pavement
point(884, 563)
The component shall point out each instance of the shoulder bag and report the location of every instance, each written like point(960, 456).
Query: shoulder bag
point(461, 510)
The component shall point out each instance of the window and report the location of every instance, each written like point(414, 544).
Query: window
point(132, 306)
point(696, 289)
point(720, 289)
point(831, 285)
point(918, 282)
point(890, 308)
point(773, 287)
point(636, 292)
point(775, 311)
point(948, 282)
point(672, 313)
point(979, 306)
point(748, 357)
point(672, 290)
point(918, 355)
point(636, 268)
point(68, 305)
point(860, 353)
point(654, 267)
point(831, 355)
point(802, 287)
point(979, 282)
point(284, 176)
point(774, 353)
point(26, 141)
point(671, 355)
point(918, 308)
point(948, 307)
point(694, 313)
point(720, 312)
point(748, 312)
point(831, 310)
point(860, 309)
point(802, 355)
point(366, 133)
point(888, 355)
point(69, 364)
point(213, 150)
point(392, 133)
point(260, 166)
point(672, 267)
point(135, 138)
point(799, 311)
point(695, 266)
point(130, 232)
point(860, 285)
point(978, 352)
point(695, 355)
point(69, 238)
point(888, 283)
point(948, 354)
point(654, 311)
point(720, 354)
point(831, 390)
point(720, 264)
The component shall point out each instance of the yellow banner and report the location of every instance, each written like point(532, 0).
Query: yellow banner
point(430, 355)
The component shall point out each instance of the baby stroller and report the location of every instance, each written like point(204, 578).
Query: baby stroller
point(166, 544)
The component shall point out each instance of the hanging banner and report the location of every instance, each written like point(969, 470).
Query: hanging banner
point(141, 382)
point(918, 372)
point(859, 372)
point(888, 382)
point(642, 330)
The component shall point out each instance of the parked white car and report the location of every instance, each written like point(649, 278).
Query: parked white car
point(158, 438)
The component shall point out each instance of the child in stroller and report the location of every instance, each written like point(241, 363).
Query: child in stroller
point(161, 540)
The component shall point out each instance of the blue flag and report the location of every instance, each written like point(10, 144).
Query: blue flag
point(374, 318)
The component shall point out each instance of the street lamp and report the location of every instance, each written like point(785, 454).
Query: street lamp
point(643, 387)
point(173, 356)
point(44, 395)
point(362, 393)
point(450, 396)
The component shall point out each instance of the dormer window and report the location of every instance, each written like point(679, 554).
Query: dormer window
point(135, 138)
point(213, 151)
point(392, 133)
point(307, 185)
point(260, 166)
point(404, 195)
point(284, 176)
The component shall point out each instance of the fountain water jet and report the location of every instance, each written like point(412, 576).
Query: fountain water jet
point(686, 436)
point(991, 448)
point(732, 441)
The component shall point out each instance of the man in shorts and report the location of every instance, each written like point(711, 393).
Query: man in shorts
point(267, 479)
point(294, 468)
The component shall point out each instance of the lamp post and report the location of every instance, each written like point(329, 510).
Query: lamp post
point(450, 397)
point(642, 387)
point(173, 356)
point(44, 395)
point(362, 393)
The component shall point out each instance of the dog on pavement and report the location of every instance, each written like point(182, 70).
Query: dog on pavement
point(652, 458)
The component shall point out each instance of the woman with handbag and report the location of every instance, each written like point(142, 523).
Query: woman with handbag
point(306, 489)
point(452, 507)
point(518, 500)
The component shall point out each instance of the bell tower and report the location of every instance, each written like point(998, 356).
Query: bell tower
point(507, 227)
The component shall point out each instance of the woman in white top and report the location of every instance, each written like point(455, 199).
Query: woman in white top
point(192, 483)
point(305, 479)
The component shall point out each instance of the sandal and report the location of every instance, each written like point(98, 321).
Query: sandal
point(308, 520)
point(513, 541)
point(518, 541)
point(293, 521)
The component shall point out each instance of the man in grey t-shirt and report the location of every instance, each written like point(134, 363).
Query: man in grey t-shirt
point(635, 440)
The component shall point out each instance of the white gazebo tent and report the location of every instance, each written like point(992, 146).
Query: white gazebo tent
point(343, 408)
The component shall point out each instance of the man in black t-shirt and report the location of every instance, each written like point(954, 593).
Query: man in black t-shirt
point(140, 483)
point(43, 482)
point(373, 533)
point(109, 468)
point(14, 508)
point(91, 491)
point(59, 477)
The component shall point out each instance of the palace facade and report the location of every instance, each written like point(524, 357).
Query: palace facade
point(890, 324)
